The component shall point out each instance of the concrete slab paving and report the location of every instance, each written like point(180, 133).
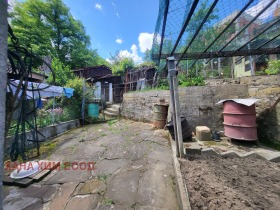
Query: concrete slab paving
point(122, 189)
point(132, 170)
point(83, 202)
point(108, 167)
point(92, 186)
point(63, 196)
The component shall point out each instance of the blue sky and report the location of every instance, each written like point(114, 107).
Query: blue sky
point(124, 25)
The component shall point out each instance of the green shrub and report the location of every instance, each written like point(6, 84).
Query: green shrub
point(273, 67)
point(185, 81)
point(163, 84)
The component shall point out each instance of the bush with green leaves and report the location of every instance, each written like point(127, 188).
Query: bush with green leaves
point(273, 67)
point(62, 73)
point(163, 84)
point(184, 80)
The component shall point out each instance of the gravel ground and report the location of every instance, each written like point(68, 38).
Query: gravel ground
point(220, 183)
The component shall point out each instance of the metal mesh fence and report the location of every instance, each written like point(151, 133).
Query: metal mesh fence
point(205, 32)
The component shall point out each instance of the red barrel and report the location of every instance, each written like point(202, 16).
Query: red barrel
point(240, 121)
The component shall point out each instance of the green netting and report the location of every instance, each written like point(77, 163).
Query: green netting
point(203, 30)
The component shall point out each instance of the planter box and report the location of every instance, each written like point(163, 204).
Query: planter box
point(48, 132)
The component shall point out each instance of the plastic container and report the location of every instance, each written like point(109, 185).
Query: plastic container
point(93, 109)
point(186, 131)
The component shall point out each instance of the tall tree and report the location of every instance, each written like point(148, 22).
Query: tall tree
point(121, 65)
point(3, 85)
point(48, 27)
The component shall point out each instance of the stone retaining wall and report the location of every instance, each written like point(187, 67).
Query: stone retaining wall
point(198, 103)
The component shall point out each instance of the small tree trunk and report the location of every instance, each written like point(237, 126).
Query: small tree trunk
point(3, 85)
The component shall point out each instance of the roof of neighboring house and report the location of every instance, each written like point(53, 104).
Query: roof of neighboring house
point(143, 68)
point(32, 76)
point(93, 71)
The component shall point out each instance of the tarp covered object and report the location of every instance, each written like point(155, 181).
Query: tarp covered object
point(44, 89)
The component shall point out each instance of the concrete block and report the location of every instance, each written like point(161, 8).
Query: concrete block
point(209, 152)
point(274, 157)
point(229, 154)
point(203, 133)
point(252, 155)
point(192, 151)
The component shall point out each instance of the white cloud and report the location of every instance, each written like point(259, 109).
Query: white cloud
point(254, 10)
point(98, 6)
point(108, 60)
point(145, 41)
point(119, 41)
point(133, 54)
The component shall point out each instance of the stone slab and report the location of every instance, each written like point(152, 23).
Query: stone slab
point(153, 181)
point(123, 187)
point(84, 202)
point(92, 186)
point(63, 196)
point(108, 167)
point(230, 154)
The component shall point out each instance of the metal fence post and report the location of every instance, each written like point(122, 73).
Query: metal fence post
point(175, 106)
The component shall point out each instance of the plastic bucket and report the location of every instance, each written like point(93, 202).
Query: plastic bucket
point(93, 110)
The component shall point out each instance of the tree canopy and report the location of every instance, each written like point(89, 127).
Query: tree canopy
point(48, 28)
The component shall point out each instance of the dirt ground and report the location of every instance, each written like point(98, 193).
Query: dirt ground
point(220, 183)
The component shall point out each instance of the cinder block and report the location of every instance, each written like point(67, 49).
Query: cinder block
point(203, 133)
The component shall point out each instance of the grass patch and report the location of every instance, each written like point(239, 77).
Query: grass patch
point(209, 143)
point(112, 122)
point(271, 144)
point(108, 201)
point(48, 147)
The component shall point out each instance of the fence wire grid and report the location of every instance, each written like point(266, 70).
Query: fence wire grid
point(206, 31)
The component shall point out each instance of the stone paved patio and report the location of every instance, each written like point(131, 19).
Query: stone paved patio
point(133, 170)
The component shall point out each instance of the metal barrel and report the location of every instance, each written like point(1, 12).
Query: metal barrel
point(240, 121)
point(93, 110)
point(186, 130)
point(160, 115)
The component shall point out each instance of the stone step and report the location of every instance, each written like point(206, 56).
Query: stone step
point(112, 110)
point(110, 115)
point(115, 106)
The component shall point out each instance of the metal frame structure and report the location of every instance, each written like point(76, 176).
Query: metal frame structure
point(183, 40)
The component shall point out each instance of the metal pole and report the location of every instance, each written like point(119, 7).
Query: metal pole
point(83, 102)
point(219, 66)
point(53, 109)
point(173, 112)
point(178, 117)
point(175, 106)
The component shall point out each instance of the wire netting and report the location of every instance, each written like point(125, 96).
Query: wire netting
point(203, 31)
